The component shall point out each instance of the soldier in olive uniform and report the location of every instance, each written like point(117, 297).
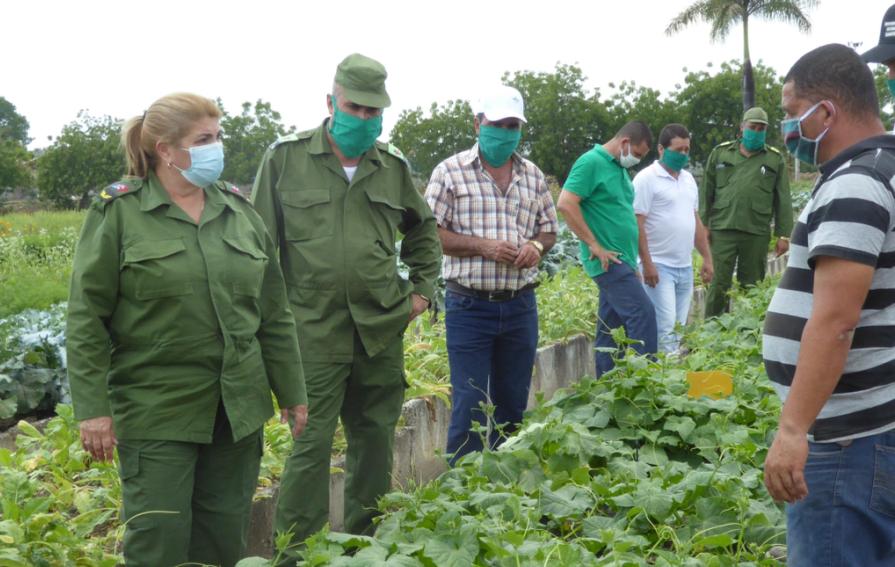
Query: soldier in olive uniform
point(178, 330)
point(334, 198)
point(745, 185)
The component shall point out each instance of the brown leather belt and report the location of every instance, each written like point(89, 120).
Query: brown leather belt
point(496, 296)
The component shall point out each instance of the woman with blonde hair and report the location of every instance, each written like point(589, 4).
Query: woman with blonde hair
point(178, 330)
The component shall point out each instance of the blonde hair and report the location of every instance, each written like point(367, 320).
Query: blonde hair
point(166, 120)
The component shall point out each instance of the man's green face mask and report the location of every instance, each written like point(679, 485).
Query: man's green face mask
point(498, 144)
point(754, 140)
point(353, 135)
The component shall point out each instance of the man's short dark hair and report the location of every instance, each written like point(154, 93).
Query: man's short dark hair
point(637, 131)
point(672, 131)
point(837, 73)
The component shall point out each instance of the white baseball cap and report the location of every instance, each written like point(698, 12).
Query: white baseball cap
point(501, 102)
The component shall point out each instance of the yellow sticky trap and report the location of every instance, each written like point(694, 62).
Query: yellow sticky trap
point(712, 383)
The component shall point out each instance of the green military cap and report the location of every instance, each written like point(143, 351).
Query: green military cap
point(363, 81)
point(756, 114)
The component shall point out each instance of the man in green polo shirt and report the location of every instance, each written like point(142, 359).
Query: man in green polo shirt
point(744, 187)
point(597, 202)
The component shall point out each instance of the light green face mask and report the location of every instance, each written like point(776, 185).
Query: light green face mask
point(353, 135)
point(498, 144)
point(754, 140)
point(675, 161)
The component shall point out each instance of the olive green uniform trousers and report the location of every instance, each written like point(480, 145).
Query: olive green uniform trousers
point(188, 502)
point(367, 393)
point(747, 253)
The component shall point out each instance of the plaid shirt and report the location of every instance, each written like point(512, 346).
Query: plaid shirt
point(465, 200)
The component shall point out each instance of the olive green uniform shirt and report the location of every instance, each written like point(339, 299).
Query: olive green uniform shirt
point(167, 318)
point(745, 193)
point(337, 242)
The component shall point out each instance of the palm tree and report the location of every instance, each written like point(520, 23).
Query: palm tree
point(724, 14)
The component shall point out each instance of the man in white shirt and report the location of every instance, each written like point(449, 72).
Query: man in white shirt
point(666, 202)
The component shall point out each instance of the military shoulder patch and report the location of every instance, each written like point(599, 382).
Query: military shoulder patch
point(230, 188)
point(393, 150)
point(118, 189)
point(293, 137)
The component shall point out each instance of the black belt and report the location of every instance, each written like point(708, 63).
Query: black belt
point(498, 295)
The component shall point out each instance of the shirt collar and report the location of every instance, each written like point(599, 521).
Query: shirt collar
point(154, 194)
point(472, 154)
point(661, 171)
point(885, 141)
point(601, 151)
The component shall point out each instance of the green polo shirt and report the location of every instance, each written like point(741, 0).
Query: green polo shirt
point(607, 204)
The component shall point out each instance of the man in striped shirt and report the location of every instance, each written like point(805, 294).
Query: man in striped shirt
point(830, 328)
point(496, 220)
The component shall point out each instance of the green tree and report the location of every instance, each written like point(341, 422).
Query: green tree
point(633, 102)
point(247, 136)
point(13, 126)
point(564, 119)
point(886, 110)
point(427, 140)
point(709, 106)
point(722, 15)
point(14, 156)
point(81, 161)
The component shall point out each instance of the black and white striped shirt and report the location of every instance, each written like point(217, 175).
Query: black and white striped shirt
point(851, 215)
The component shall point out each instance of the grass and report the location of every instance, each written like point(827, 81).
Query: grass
point(36, 251)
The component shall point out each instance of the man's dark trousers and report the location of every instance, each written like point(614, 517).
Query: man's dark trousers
point(623, 303)
point(491, 351)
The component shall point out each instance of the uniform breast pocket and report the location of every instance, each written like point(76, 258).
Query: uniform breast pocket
point(153, 269)
point(246, 263)
point(307, 214)
point(387, 213)
point(723, 174)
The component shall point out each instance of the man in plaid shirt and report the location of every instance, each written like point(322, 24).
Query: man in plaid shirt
point(496, 220)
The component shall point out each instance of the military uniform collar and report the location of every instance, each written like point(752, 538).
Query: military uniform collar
point(154, 195)
point(886, 142)
point(319, 145)
point(737, 144)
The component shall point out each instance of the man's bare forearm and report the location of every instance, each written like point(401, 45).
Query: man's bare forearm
point(572, 213)
point(701, 240)
point(547, 240)
point(822, 358)
point(643, 241)
point(460, 245)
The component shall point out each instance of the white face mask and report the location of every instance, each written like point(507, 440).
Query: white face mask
point(629, 159)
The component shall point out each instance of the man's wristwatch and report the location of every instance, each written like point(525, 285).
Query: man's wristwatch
point(785, 238)
point(429, 301)
point(538, 246)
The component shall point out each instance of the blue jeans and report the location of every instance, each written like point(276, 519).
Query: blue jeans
point(671, 299)
point(623, 303)
point(848, 518)
point(491, 352)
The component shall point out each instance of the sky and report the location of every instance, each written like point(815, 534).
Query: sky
point(116, 57)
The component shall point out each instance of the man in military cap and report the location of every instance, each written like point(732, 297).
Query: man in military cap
point(884, 52)
point(744, 187)
point(334, 199)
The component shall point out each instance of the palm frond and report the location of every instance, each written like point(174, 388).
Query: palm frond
point(701, 10)
point(787, 11)
point(727, 15)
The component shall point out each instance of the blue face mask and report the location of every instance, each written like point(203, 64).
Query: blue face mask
point(805, 149)
point(206, 164)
